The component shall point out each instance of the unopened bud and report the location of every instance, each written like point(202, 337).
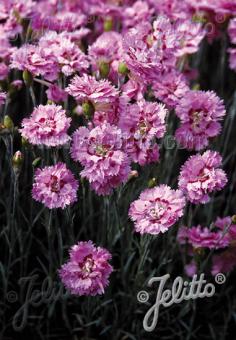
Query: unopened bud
point(8, 123)
point(234, 219)
point(36, 162)
point(17, 160)
point(104, 69)
point(28, 78)
point(108, 25)
point(133, 174)
point(123, 69)
point(24, 141)
point(88, 110)
point(152, 182)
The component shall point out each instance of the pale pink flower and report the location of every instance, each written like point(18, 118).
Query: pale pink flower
point(101, 94)
point(55, 186)
point(200, 113)
point(201, 175)
point(87, 271)
point(141, 124)
point(100, 151)
point(157, 209)
point(36, 60)
point(170, 87)
point(47, 125)
point(190, 36)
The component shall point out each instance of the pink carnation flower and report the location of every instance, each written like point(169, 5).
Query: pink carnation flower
point(100, 151)
point(36, 60)
point(200, 113)
point(69, 57)
point(141, 123)
point(224, 262)
point(226, 225)
point(106, 49)
point(190, 36)
point(100, 93)
point(200, 237)
point(56, 94)
point(55, 186)
point(157, 210)
point(47, 125)
point(170, 87)
point(87, 271)
point(200, 176)
point(150, 50)
point(138, 12)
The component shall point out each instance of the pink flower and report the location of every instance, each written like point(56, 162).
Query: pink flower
point(56, 94)
point(100, 151)
point(87, 271)
point(200, 237)
point(106, 49)
point(101, 94)
point(3, 97)
point(47, 125)
point(150, 50)
point(173, 9)
point(36, 60)
point(69, 57)
point(224, 262)
point(200, 113)
point(55, 186)
point(190, 36)
point(225, 224)
point(138, 12)
point(170, 87)
point(201, 176)
point(141, 123)
point(157, 210)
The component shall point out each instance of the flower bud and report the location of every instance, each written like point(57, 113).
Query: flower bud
point(88, 110)
point(28, 78)
point(8, 123)
point(108, 25)
point(234, 219)
point(24, 142)
point(123, 69)
point(17, 160)
point(152, 182)
point(104, 69)
point(133, 174)
point(36, 162)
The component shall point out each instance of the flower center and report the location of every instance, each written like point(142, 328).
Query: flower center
point(101, 150)
point(157, 211)
point(87, 266)
point(56, 184)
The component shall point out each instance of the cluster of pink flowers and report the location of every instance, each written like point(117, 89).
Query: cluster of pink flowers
point(87, 271)
point(219, 237)
point(55, 186)
point(109, 72)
